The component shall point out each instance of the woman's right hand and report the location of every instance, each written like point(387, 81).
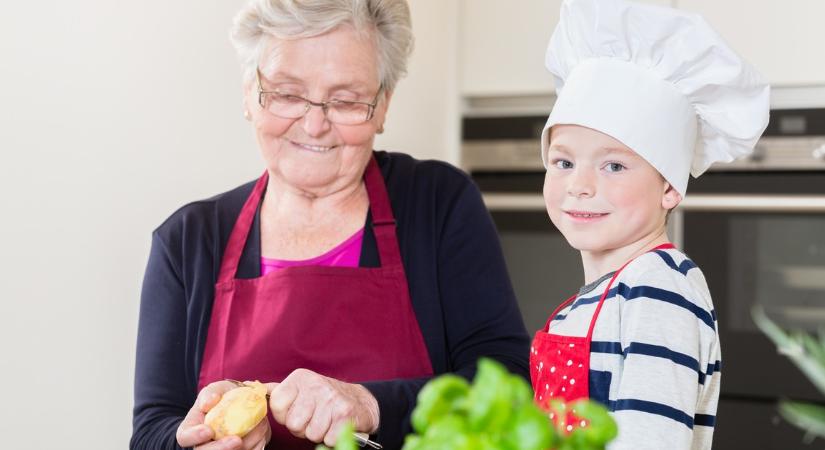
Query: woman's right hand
point(192, 432)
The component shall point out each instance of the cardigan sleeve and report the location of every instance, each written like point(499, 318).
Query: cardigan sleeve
point(162, 394)
point(479, 314)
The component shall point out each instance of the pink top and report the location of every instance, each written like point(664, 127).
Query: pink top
point(345, 254)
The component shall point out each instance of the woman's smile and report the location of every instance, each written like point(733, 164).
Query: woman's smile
point(313, 148)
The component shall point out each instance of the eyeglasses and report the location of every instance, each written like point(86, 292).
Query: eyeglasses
point(342, 112)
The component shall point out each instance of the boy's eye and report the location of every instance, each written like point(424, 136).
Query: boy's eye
point(614, 167)
point(562, 164)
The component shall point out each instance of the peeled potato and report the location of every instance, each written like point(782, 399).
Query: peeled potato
point(238, 411)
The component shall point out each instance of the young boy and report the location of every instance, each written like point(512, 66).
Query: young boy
point(646, 95)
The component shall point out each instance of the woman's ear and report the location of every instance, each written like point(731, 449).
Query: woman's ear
point(387, 98)
point(249, 97)
point(670, 198)
point(380, 113)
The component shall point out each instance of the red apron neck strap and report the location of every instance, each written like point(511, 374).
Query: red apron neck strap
point(601, 302)
point(559, 308)
point(240, 232)
point(664, 246)
point(383, 221)
point(377, 193)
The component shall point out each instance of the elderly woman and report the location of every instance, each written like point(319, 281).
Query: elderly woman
point(343, 276)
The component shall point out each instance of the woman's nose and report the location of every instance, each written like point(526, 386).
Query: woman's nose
point(315, 121)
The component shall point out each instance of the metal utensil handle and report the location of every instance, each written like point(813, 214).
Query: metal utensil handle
point(364, 439)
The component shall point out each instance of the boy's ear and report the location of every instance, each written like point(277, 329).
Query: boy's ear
point(671, 198)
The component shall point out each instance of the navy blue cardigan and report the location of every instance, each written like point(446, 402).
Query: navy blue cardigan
point(457, 278)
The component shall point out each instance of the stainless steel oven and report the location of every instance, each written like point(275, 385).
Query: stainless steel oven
point(756, 228)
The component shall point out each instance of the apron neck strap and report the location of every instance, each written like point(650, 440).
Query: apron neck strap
point(664, 246)
point(556, 311)
point(240, 232)
point(383, 223)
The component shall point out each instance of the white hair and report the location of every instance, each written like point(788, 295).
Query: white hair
point(387, 21)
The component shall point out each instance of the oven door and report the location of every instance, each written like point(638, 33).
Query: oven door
point(760, 240)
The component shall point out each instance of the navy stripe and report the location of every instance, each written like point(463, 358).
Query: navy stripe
point(652, 408)
point(704, 420)
point(585, 301)
point(653, 293)
point(606, 347)
point(659, 351)
point(715, 367)
point(589, 300)
point(666, 296)
point(682, 268)
point(599, 384)
point(656, 351)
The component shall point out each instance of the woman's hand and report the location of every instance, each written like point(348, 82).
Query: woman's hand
point(192, 432)
point(314, 407)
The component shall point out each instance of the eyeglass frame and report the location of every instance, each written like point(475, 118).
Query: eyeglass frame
point(322, 105)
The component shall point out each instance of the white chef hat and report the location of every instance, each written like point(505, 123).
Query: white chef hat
point(659, 80)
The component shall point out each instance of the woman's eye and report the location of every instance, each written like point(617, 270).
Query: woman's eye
point(343, 98)
point(562, 164)
point(288, 99)
point(614, 167)
point(346, 106)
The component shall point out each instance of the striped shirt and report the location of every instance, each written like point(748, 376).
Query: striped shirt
point(655, 357)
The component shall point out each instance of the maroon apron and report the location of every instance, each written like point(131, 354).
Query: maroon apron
point(560, 365)
point(350, 323)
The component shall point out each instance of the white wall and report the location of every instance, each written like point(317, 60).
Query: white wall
point(424, 117)
point(112, 115)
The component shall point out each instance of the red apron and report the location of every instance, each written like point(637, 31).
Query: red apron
point(353, 324)
point(560, 365)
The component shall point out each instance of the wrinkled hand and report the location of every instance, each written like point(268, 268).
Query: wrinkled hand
point(315, 407)
point(192, 432)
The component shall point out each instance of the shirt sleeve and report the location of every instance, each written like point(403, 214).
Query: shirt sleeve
point(162, 394)
point(479, 313)
point(667, 337)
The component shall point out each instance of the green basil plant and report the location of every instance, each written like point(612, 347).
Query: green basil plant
point(496, 412)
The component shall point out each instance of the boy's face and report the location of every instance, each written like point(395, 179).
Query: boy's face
point(600, 194)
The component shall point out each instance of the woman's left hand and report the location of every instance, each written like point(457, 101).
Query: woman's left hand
point(192, 431)
point(315, 407)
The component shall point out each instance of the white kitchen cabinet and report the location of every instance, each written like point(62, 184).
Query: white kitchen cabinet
point(781, 39)
point(502, 46)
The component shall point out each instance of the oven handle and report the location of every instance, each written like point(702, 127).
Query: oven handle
point(798, 203)
point(513, 202)
point(693, 202)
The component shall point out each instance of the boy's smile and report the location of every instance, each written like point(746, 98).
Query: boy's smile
point(604, 198)
point(585, 216)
